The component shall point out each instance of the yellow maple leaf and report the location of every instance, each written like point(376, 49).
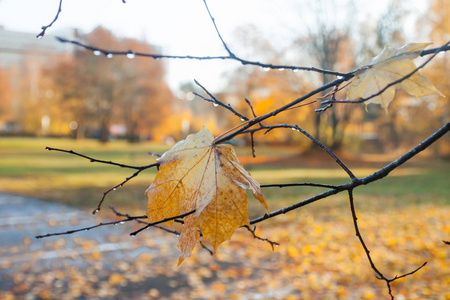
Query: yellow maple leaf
point(390, 65)
point(197, 174)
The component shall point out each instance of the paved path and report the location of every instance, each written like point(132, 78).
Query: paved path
point(107, 263)
point(36, 268)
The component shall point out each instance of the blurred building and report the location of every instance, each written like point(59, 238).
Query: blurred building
point(15, 46)
point(22, 55)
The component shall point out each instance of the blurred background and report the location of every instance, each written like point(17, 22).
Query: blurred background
point(121, 109)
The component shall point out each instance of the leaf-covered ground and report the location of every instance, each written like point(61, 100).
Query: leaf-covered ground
point(319, 256)
point(403, 218)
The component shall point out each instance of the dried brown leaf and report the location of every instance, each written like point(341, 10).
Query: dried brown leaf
point(198, 174)
point(390, 65)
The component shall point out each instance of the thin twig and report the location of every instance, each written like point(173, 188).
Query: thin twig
point(410, 273)
point(138, 220)
point(44, 28)
point(283, 185)
point(217, 102)
point(253, 232)
point(91, 159)
point(162, 221)
point(379, 275)
point(231, 54)
point(363, 244)
point(252, 143)
point(313, 139)
point(324, 87)
point(110, 53)
point(138, 169)
point(279, 110)
point(128, 219)
point(97, 209)
point(206, 248)
point(251, 106)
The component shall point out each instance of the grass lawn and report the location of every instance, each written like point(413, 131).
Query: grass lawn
point(26, 168)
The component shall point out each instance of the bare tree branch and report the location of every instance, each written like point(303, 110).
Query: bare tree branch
point(44, 28)
point(138, 169)
point(379, 275)
point(283, 185)
point(92, 227)
point(110, 53)
point(141, 168)
point(217, 102)
point(253, 232)
point(313, 139)
point(162, 221)
point(383, 172)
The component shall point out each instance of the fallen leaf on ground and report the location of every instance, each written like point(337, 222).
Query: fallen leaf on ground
point(197, 174)
point(390, 65)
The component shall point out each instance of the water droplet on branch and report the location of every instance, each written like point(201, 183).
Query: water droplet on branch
point(109, 55)
point(266, 69)
point(97, 52)
point(216, 104)
point(130, 55)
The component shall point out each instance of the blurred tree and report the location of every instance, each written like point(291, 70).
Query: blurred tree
point(396, 129)
point(329, 43)
point(267, 89)
point(96, 90)
point(5, 98)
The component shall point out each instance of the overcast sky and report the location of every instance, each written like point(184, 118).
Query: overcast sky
point(179, 27)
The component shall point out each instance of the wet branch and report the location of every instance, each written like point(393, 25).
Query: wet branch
point(253, 232)
point(383, 172)
point(139, 220)
point(162, 221)
point(138, 169)
point(269, 128)
point(283, 185)
point(128, 219)
point(44, 28)
point(141, 168)
point(97, 209)
point(379, 275)
point(217, 102)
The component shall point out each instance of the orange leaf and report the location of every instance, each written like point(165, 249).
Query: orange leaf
point(198, 174)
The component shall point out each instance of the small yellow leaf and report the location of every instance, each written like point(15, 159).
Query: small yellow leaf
point(197, 174)
point(390, 65)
